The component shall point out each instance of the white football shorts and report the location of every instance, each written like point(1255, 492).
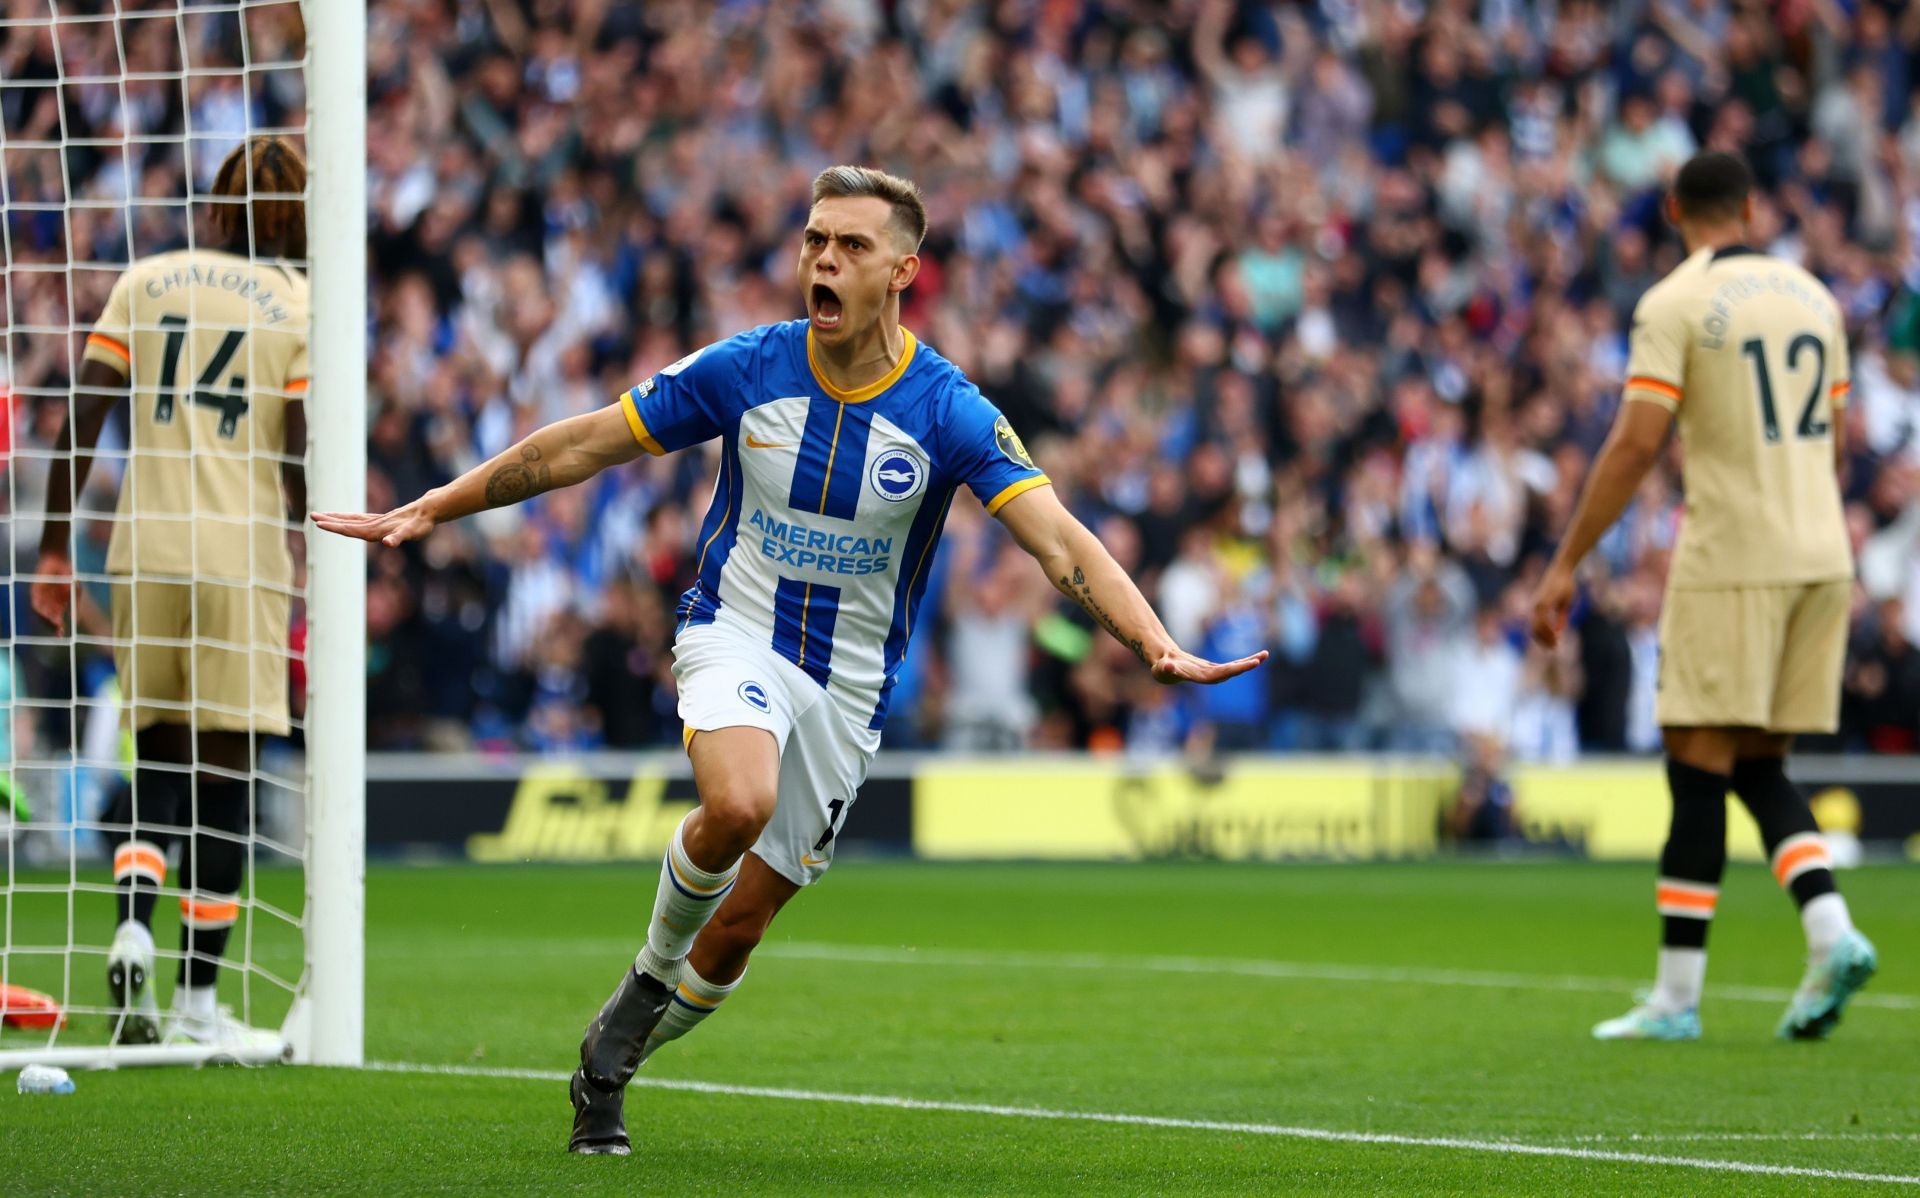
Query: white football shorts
point(728, 681)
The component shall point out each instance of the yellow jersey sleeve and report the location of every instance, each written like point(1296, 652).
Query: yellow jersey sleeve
point(1657, 352)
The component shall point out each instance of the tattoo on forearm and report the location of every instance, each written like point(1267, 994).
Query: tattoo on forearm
point(519, 480)
point(1080, 591)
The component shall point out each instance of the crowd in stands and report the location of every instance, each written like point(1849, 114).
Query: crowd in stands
point(1315, 312)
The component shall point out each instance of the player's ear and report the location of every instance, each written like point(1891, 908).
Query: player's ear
point(1672, 209)
point(1746, 210)
point(905, 270)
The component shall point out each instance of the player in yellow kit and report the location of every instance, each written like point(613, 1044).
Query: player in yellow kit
point(1748, 355)
point(210, 345)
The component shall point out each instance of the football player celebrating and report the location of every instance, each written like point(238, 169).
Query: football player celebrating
point(844, 442)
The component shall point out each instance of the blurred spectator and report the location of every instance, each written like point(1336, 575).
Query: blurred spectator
point(1427, 614)
point(991, 607)
point(1331, 686)
point(1318, 310)
point(1544, 727)
point(1883, 684)
point(1482, 810)
point(1486, 681)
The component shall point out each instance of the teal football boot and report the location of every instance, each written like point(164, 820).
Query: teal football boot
point(1650, 1023)
point(1829, 983)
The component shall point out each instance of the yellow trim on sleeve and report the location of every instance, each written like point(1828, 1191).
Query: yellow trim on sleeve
point(108, 352)
point(632, 412)
point(871, 389)
point(1641, 382)
point(118, 347)
point(297, 386)
point(1013, 489)
point(1652, 390)
point(1838, 393)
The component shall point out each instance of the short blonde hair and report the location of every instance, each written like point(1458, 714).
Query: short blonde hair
point(909, 209)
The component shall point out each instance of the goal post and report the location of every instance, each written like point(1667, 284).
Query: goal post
point(117, 114)
point(328, 1028)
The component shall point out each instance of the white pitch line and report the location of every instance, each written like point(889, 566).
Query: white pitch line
point(1278, 1130)
point(1283, 970)
point(1252, 967)
point(1752, 1137)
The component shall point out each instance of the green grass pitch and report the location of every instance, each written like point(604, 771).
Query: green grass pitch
point(1444, 1004)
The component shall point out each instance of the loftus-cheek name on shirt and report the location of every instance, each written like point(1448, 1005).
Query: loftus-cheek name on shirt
point(1733, 293)
point(817, 549)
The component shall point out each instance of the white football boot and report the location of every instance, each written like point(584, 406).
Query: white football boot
point(129, 972)
point(219, 1029)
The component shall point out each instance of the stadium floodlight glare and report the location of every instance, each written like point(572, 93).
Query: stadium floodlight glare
point(118, 90)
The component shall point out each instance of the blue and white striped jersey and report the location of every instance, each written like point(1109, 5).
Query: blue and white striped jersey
point(829, 503)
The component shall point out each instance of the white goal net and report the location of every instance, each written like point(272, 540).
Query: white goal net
point(156, 817)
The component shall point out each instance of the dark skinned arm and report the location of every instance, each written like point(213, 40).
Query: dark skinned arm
point(100, 387)
point(293, 471)
point(1639, 433)
point(1839, 423)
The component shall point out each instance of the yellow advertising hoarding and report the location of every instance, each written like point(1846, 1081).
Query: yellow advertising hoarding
point(1110, 811)
point(1616, 812)
point(1368, 809)
point(561, 813)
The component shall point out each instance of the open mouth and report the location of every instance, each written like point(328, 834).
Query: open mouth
point(826, 307)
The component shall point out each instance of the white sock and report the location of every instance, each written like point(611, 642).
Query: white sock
point(195, 1002)
point(687, 898)
point(1681, 977)
point(1826, 920)
point(694, 999)
point(141, 933)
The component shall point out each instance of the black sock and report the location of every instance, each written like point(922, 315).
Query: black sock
point(141, 821)
point(214, 867)
point(1794, 848)
point(1694, 857)
point(137, 897)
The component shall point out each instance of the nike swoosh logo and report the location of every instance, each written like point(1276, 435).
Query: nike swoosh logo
point(807, 859)
point(753, 444)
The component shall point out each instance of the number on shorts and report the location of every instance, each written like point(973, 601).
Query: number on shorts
point(834, 811)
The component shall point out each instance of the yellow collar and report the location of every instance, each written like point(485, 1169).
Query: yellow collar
point(871, 389)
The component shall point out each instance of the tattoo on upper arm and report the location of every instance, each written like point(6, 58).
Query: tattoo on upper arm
point(1080, 591)
point(519, 480)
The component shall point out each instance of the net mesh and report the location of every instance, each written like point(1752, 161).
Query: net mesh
point(117, 116)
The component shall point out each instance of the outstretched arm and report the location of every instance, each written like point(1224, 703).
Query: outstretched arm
point(1631, 450)
point(1080, 567)
point(561, 454)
